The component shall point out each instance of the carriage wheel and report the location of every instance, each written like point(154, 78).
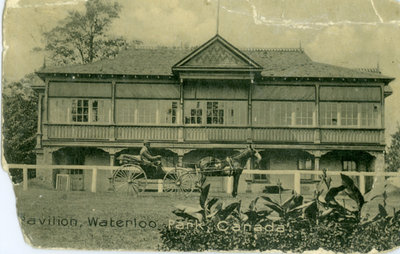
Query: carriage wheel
point(178, 182)
point(130, 179)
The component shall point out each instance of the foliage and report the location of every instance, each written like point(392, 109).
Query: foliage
point(19, 123)
point(392, 157)
point(321, 223)
point(208, 210)
point(82, 36)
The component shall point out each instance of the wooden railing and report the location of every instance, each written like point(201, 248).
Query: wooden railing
point(64, 131)
point(295, 173)
point(214, 134)
point(283, 135)
point(350, 136)
point(146, 132)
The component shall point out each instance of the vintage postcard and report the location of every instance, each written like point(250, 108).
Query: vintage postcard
point(203, 125)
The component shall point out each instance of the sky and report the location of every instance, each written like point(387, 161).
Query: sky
point(357, 33)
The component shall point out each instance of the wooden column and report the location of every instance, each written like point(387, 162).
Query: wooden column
point(181, 135)
point(250, 112)
point(39, 124)
point(382, 137)
point(112, 120)
point(317, 125)
point(45, 109)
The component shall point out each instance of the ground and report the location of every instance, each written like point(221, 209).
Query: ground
point(36, 204)
point(42, 213)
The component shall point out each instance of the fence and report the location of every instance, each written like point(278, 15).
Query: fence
point(295, 173)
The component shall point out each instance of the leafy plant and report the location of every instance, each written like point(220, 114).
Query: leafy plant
point(253, 216)
point(208, 209)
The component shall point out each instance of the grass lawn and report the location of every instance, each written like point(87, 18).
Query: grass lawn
point(53, 206)
point(42, 213)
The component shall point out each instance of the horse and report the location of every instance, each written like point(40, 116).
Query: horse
point(231, 166)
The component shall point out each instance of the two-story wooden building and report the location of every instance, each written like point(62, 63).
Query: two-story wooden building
point(214, 99)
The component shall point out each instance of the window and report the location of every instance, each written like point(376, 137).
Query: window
point(215, 113)
point(147, 111)
point(305, 164)
point(125, 111)
point(76, 171)
point(282, 113)
point(369, 115)
point(195, 115)
point(349, 114)
point(349, 165)
point(90, 111)
point(168, 112)
point(304, 113)
point(329, 112)
point(261, 113)
point(95, 111)
point(174, 109)
point(80, 110)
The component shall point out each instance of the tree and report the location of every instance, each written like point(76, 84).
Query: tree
point(392, 157)
point(19, 121)
point(81, 37)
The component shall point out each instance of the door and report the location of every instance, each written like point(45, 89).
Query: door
point(77, 179)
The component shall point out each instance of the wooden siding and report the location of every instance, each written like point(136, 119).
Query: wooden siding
point(363, 94)
point(149, 91)
point(64, 89)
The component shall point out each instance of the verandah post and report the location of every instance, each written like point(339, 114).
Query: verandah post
point(25, 178)
point(362, 184)
point(297, 187)
point(94, 180)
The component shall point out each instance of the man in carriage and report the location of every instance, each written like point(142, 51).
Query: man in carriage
point(146, 156)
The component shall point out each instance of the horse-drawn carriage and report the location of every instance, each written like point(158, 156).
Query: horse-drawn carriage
point(132, 177)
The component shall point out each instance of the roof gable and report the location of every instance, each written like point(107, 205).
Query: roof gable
point(216, 53)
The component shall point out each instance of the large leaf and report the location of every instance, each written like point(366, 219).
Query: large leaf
point(352, 190)
point(224, 213)
point(311, 210)
point(273, 205)
point(292, 202)
point(191, 215)
point(332, 193)
point(253, 203)
point(204, 195)
point(211, 203)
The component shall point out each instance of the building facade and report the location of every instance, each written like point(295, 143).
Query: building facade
point(212, 100)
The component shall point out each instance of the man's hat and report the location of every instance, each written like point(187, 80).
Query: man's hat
point(146, 142)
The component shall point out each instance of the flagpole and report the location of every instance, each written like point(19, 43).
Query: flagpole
point(218, 18)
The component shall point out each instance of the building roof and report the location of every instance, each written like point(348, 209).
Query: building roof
point(159, 61)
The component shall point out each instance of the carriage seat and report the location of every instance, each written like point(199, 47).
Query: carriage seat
point(129, 159)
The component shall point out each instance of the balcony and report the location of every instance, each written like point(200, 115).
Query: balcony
point(212, 134)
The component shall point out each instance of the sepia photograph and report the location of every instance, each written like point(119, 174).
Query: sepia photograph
point(203, 125)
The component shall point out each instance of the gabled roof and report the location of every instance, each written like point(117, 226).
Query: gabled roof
point(163, 60)
point(217, 53)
